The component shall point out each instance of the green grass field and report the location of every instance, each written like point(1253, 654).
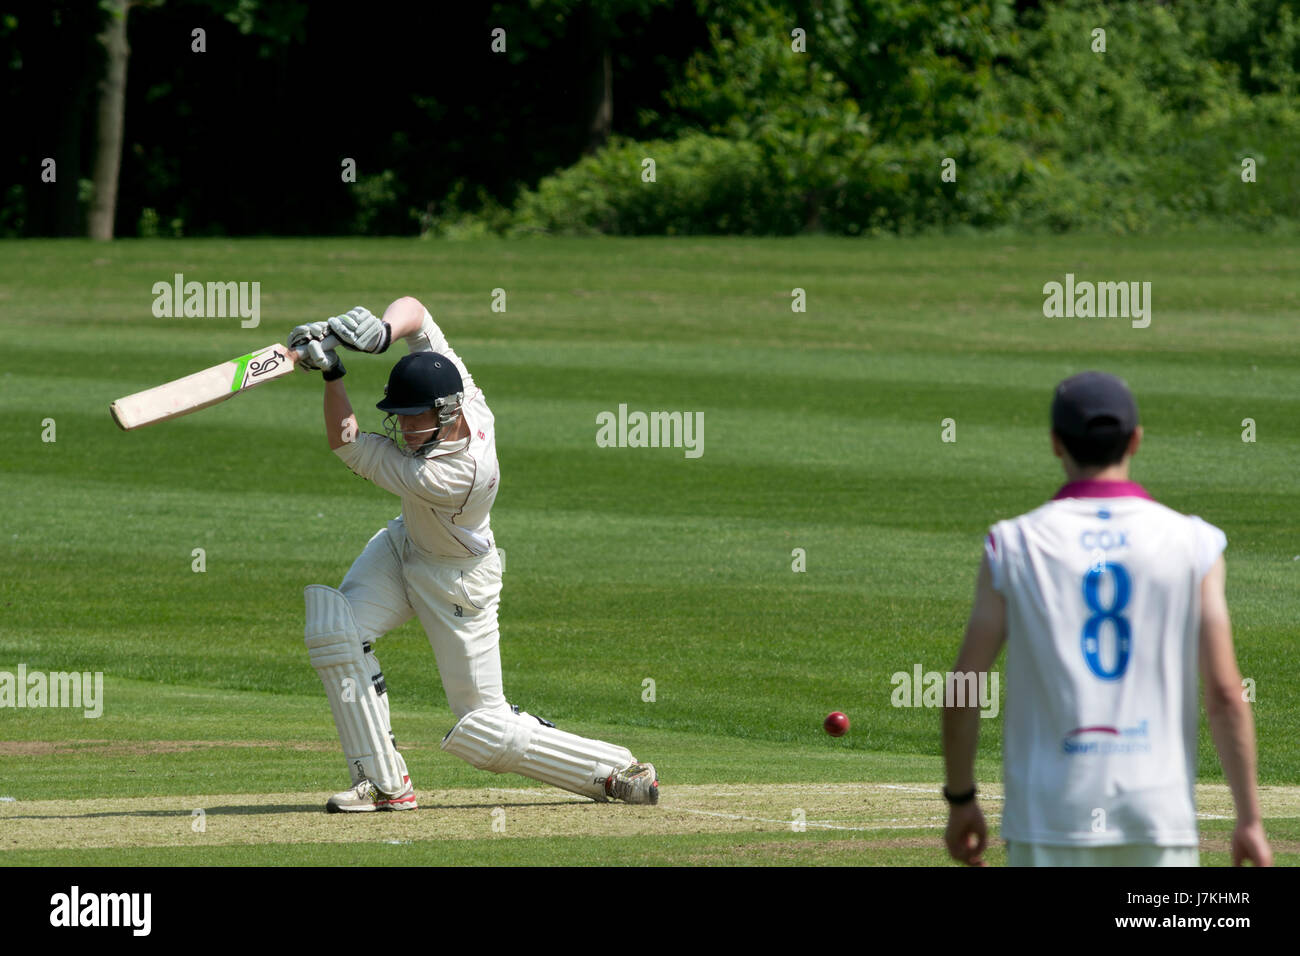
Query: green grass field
point(822, 432)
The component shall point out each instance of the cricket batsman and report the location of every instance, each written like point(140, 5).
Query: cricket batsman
point(436, 561)
point(1110, 605)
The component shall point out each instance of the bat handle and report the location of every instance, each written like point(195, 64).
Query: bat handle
point(330, 341)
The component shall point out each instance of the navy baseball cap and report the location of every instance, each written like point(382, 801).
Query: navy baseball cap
point(1092, 403)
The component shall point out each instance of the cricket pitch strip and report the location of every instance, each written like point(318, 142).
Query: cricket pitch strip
point(857, 810)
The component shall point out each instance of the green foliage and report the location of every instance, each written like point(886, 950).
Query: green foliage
point(843, 131)
point(847, 113)
point(13, 212)
point(703, 184)
point(376, 199)
point(1201, 172)
point(1046, 131)
point(1148, 134)
point(755, 88)
point(916, 68)
point(1258, 39)
point(790, 146)
point(538, 24)
point(1060, 95)
point(451, 218)
point(275, 25)
point(146, 226)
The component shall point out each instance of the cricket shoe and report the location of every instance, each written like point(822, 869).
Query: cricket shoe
point(365, 797)
point(636, 783)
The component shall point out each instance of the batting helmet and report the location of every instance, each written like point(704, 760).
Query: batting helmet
point(419, 382)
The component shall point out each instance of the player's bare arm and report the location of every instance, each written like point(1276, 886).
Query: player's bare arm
point(309, 340)
point(404, 316)
point(340, 422)
point(359, 331)
point(967, 834)
point(1231, 723)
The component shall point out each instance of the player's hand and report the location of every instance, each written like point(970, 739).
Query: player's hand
point(1250, 843)
point(313, 355)
point(303, 334)
point(967, 834)
point(360, 331)
point(316, 358)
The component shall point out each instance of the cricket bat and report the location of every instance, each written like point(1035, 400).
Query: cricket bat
point(212, 385)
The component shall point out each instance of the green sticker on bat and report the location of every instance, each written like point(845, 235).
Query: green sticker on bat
point(241, 363)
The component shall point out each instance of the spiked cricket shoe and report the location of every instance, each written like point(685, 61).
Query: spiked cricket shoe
point(637, 783)
point(365, 797)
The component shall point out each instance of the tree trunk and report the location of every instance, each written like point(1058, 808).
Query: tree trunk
point(812, 210)
point(112, 107)
point(602, 115)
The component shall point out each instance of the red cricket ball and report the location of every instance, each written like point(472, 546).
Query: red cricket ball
point(836, 724)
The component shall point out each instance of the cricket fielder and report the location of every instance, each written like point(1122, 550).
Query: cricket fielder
point(1109, 604)
point(436, 561)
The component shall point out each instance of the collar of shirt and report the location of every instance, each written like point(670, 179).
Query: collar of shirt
point(1105, 488)
point(448, 448)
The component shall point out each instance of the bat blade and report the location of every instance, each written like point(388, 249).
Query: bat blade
point(208, 387)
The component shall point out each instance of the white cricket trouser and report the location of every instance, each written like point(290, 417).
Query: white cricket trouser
point(456, 600)
point(1124, 854)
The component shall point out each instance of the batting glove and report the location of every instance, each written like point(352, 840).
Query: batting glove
point(303, 334)
point(314, 356)
point(360, 331)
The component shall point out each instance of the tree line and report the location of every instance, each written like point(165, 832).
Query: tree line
point(258, 117)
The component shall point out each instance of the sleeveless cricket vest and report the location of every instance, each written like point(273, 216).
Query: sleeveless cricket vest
point(1102, 589)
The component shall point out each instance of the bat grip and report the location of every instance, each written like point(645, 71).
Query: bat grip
point(330, 341)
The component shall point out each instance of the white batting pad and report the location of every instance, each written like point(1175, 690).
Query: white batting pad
point(360, 710)
point(505, 742)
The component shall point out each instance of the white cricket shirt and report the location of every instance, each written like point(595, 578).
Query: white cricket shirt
point(1102, 589)
point(447, 496)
